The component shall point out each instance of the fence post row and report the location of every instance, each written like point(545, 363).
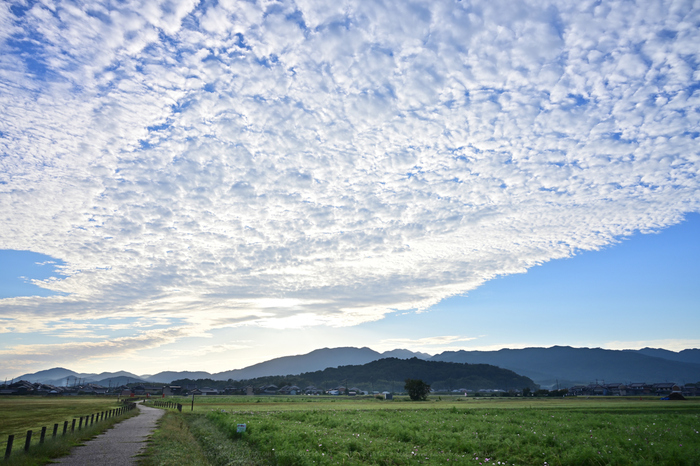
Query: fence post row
point(28, 440)
point(8, 450)
point(91, 419)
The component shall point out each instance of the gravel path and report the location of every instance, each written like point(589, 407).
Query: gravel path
point(118, 445)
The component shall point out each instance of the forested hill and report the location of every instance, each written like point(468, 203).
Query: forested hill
point(390, 373)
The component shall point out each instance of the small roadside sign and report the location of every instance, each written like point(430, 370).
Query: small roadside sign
point(241, 428)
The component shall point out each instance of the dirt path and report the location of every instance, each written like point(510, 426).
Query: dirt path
point(118, 445)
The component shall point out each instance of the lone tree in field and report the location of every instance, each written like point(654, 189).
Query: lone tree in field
point(417, 389)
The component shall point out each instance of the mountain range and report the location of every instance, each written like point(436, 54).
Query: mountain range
point(562, 365)
point(567, 366)
point(390, 374)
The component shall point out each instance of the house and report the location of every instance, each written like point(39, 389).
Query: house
point(290, 390)
point(664, 388)
point(614, 389)
point(594, 389)
point(637, 389)
point(96, 389)
point(577, 390)
point(152, 389)
point(22, 387)
point(691, 389)
point(209, 391)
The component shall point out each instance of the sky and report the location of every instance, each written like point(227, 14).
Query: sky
point(206, 185)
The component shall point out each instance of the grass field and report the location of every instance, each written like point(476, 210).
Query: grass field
point(325, 431)
point(18, 414)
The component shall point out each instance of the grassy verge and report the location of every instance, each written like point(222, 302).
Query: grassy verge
point(195, 439)
point(23, 413)
point(173, 444)
point(60, 446)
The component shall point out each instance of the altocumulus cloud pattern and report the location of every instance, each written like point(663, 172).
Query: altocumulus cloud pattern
point(323, 162)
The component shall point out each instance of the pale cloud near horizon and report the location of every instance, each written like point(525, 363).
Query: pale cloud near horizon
point(430, 345)
point(669, 344)
point(303, 163)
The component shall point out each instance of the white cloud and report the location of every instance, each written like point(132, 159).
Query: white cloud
point(670, 344)
point(80, 352)
point(430, 345)
point(190, 160)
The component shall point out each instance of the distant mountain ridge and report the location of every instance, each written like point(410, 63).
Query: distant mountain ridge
point(316, 360)
point(687, 355)
point(564, 365)
point(569, 366)
point(390, 374)
point(60, 376)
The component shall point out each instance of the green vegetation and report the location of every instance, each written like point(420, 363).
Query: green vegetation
point(173, 443)
point(23, 413)
point(448, 430)
point(389, 374)
point(417, 389)
point(196, 439)
point(20, 414)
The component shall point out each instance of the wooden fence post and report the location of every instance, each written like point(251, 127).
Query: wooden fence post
point(65, 427)
point(72, 427)
point(55, 430)
point(80, 424)
point(43, 435)
point(8, 450)
point(28, 440)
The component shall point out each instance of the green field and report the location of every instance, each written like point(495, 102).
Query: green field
point(451, 430)
point(18, 414)
point(363, 430)
point(22, 413)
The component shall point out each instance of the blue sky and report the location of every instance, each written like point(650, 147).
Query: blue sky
point(210, 184)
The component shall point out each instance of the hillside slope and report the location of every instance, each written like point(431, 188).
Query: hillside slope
point(569, 366)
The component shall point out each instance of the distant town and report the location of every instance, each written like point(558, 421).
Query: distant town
point(23, 387)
